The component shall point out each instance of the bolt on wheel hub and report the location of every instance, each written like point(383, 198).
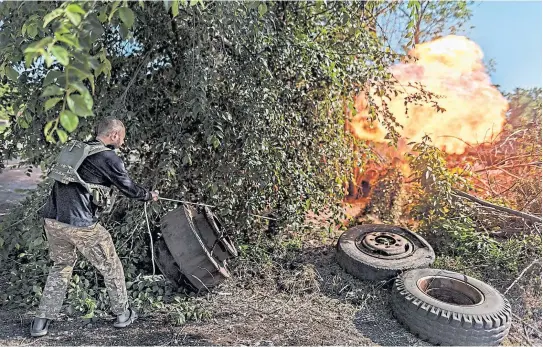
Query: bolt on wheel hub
point(385, 244)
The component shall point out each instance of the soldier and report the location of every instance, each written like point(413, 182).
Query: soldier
point(84, 174)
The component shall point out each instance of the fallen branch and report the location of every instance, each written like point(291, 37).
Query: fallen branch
point(504, 161)
point(538, 196)
point(535, 329)
point(497, 167)
point(524, 215)
point(521, 274)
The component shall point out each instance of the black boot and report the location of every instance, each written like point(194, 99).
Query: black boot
point(39, 327)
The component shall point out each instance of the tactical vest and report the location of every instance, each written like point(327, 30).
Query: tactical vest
point(65, 168)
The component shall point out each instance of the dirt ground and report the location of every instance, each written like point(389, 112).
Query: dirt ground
point(334, 309)
point(309, 301)
point(313, 302)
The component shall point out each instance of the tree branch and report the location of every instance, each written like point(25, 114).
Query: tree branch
point(523, 215)
point(521, 274)
point(497, 167)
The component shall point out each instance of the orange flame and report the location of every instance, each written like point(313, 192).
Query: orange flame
point(451, 67)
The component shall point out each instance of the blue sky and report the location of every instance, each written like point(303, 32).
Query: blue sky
point(510, 33)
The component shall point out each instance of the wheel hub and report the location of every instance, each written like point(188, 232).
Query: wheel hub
point(385, 244)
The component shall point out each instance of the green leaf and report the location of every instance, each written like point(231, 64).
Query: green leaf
point(63, 28)
point(91, 81)
point(68, 120)
point(51, 76)
point(175, 8)
point(11, 73)
point(49, 104)
point(216, 142)
point(52, 15)
point(69, 39)
point(252, 5)
point(262, 9)
point(105, 67)
point(61, 54)
point(74, 18)
point(80, 87)
point(38, 47)
point(48, 59)
point(88, 100)
point(47, 129)
point(193, 2)
point(124, 31)
point(32, 30)
point(102, 16)
point(75, 8)
point(63, 137)
point(127, 16)
point(23, 122)
point(114, 9)
point(79, 105)
point(213, 140)
point(29, 58)
point(52, 90)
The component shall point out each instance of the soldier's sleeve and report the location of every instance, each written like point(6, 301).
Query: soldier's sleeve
point(117, 174)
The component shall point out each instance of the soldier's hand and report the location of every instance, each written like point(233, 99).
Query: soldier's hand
point(155, 195)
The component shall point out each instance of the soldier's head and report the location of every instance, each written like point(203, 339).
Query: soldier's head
point(111, 131)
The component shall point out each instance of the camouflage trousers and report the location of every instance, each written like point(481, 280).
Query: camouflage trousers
point(96, 245)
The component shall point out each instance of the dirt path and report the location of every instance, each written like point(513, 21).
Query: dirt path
point(15, 184)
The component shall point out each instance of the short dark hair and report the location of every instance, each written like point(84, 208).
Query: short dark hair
point(107, 125)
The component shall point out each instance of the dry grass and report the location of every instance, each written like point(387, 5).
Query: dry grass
point(304, 299)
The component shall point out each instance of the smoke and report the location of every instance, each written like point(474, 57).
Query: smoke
point(451, 67)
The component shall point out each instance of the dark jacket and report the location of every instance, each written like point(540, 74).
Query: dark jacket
point(71, 203)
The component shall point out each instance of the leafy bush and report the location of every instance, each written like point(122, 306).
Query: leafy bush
point(236, 104)
point(456, 229)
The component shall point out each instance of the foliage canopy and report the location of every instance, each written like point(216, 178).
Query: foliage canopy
point(236, 104)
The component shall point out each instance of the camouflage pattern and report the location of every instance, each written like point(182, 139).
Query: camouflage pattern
point(95, 244)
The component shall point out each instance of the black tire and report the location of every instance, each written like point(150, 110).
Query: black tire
point(366, 266)
point(470, 312)
point(187, 247)
point(168, 267)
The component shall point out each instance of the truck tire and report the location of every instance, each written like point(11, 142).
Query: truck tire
point(451, 309)
point(379, 252)
point(182, 230)
point(169, 268)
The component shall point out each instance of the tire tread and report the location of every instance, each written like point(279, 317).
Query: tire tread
point(450, 328)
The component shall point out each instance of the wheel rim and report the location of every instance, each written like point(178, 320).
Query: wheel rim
point(386, 245)
point(450, 290)
point(224, 241)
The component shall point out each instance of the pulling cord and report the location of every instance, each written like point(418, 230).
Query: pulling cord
point(199, 204)
point(150, 238)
